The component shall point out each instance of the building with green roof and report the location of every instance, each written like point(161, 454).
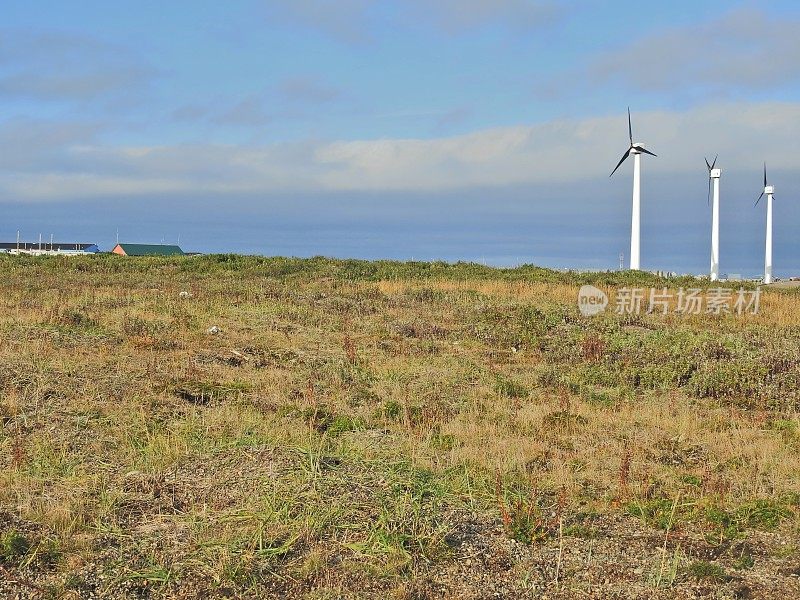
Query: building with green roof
point(147, 250)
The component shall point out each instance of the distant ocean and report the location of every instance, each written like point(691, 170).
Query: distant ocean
point(556, 227)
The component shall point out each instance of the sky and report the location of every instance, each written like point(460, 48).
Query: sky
point(479, 130)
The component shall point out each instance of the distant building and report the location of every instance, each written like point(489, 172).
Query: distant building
point(42, 248)
point(147, 250)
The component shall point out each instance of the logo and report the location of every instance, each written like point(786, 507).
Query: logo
point(591, 301)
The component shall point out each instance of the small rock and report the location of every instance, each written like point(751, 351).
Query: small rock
point(185, 294)
point(213, 330)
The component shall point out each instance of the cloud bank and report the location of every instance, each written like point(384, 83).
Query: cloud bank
point(66, 162)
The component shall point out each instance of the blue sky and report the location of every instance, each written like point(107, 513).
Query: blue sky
point(454, 129)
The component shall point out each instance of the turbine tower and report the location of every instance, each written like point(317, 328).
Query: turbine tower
point(713, 182)
point(769, 191)
point(636, 149)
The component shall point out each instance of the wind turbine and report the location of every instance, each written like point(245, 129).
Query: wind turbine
point(769, 190)
point(713, 182)
point(636, 149)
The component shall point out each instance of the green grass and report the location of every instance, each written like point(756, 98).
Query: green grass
point(14, 545)
point(707, 571)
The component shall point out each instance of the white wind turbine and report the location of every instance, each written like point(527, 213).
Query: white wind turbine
point(769, 190)
point(636, 149)
point(713, 182)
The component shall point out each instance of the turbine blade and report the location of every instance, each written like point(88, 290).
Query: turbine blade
point(630, 127)
point(714, 164)
point(622, 160)
point(765, 174)
point(707, 165)
point(759, 199)
point(645, 150)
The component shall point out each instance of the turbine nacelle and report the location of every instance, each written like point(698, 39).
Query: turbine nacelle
point(715, 173)
point(769, 189)
point(638, 148)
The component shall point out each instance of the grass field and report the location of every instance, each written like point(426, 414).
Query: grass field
point(229, 427)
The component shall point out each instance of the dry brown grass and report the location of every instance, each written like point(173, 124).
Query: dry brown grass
point(327, 436)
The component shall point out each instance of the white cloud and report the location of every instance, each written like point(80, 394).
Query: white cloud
point(459, 15)
point(307, 90)
point(743, 49)
point(54, 66)
point(247, 112)
point(353, 21)
point(549, 153)
point(346, 20)
point(292, 97)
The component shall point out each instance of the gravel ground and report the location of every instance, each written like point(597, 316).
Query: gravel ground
point(621, 561)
